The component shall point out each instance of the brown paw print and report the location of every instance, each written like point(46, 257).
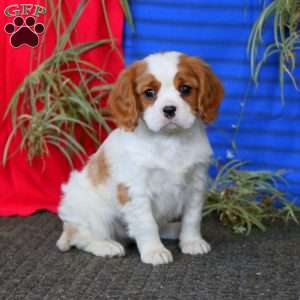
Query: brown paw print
point(24, 32)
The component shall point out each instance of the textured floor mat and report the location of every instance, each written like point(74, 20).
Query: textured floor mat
point(261, 266)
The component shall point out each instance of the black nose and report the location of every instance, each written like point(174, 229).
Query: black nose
point(169, 111)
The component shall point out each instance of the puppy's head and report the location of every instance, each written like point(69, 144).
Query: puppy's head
point(168, 91)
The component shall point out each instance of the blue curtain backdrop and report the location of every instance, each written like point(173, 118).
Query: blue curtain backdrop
point(218, 31)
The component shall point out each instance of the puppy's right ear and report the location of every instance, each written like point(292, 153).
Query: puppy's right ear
point(123, 100)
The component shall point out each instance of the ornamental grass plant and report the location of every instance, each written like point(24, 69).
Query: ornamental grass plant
point(59, 101)
point(284, 17)
point(245, 199)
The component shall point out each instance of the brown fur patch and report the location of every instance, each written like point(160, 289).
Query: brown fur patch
point(143, 83)
point(70, 231)
point(122, 194)
point(98, 168)
point(184, 76)
point(122, 101)
point(127, 100)
point(207, 90)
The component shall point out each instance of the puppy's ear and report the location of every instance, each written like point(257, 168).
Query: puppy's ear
point(210, 89)
point(123, 100)
point(210, 96)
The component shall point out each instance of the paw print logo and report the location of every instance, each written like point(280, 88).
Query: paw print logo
point(24, 32)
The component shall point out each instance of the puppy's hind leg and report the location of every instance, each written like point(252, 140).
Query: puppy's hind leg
point(81, 238)
point(64, 243)
point(170, 231)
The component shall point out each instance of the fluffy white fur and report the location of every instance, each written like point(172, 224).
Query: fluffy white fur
point(163, 163)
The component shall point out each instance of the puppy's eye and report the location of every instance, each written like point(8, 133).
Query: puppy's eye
point(150, 93)
point(185, 90)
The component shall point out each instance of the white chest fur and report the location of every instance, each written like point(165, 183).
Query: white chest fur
point(166, 191)
point(159, 167)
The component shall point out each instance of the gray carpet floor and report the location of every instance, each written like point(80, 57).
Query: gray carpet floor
point(260, 266)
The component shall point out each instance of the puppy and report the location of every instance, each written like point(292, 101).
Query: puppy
point(150, 171)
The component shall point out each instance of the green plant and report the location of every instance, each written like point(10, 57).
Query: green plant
point(286, 39)
point(245, 199)
point(60, 100)
point(127, 13)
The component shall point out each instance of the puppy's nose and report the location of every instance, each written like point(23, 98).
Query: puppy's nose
point(169, 111)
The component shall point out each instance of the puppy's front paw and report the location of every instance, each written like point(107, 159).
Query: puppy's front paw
point(196, 246)
point(107, 248)
point(157, 256)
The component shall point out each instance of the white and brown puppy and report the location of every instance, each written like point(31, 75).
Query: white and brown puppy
point(152, 169)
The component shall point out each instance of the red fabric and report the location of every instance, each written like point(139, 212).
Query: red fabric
point(26, 188)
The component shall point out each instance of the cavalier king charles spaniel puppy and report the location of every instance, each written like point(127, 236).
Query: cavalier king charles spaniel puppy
point(152, 169)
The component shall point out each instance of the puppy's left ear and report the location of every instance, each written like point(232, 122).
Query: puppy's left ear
point(210, 96)
point(210, 90)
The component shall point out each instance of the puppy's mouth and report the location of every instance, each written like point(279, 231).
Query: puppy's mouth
point(167, 125)
point(175, 124)
point(171, 125)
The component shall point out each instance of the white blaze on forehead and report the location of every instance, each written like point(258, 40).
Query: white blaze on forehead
point(163, 66)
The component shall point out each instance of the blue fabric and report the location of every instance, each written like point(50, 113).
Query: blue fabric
point(218, 31)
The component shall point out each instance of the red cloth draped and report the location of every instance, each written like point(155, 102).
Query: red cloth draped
point(26, 188)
